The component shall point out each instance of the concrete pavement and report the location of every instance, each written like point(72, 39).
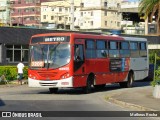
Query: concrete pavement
point(140, 98)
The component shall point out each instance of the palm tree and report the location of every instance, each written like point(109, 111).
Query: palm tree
point(150, 8)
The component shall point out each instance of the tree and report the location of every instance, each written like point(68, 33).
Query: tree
point(150, 8)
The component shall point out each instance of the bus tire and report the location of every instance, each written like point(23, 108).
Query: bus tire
point(53, 90)
point(88, 88)
point(129, 82)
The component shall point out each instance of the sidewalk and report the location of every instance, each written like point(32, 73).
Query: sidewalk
point(14, 83)
point(137, 98)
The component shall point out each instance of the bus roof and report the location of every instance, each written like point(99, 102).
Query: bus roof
point(135, 39)
point(82, 35)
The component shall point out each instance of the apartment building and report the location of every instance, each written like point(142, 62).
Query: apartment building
point(57, 14)
point(26, 12)
point(93, 14)
point(4, 12)
point(100, 14)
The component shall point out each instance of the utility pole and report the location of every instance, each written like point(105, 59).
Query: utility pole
point(10, 13)
point(146, 26)
point(72, 15)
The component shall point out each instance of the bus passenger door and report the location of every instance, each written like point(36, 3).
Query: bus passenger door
point(79, 66)
point(78, 58)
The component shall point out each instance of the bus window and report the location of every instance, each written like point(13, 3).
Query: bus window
point(78, 56)
point(101, 51)
point(124, 49)
point(143, 51)
point(90, 49)
point(134, 49)
point(113, 49)
point(79, 53)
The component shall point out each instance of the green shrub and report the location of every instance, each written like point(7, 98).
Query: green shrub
point(156, 81)
point(10, 72)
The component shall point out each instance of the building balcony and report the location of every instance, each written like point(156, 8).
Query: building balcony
point(3, 8)
point(25, 14)
point(26, 22)
point(25, 5)
point(100, 8)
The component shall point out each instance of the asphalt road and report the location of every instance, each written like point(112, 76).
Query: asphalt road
point(23, 98)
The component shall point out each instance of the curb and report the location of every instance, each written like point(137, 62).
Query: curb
point(127, 105)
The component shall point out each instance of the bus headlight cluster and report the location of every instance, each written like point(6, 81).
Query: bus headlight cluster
point(32, 76)
point(66, 75)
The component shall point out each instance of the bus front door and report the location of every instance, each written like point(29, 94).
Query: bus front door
point(79, 66)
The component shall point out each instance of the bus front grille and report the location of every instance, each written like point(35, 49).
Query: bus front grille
point(48, 84)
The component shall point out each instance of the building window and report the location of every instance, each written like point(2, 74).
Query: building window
point(81, 13)
point(105, 12)
point(32, 18)
point(26, 1)
point(19, 10)
point(52, 17)
point(92, 13)
point(105, 4)
point(118, 24)
point(91, 23)
point(82, 5)
point(16, 53)
point(19, 1)
point(105, 23)
point(60, 18)
point(52, 8)
point(26, 10)
point(38, 9)
point(44, 16)
point(38, 1)
point(66, 9)
point(32, 9)
point(60, 9)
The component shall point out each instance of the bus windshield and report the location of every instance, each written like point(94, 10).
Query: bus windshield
point(49, 55)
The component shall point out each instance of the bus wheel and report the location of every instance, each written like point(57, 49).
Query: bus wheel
point(88, 87)
point(53, 90)
point(99, 87)
point(130, 80)
point(129, 83)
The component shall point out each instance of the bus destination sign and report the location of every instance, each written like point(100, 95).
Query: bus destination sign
point(50, 39)
point(54, 39)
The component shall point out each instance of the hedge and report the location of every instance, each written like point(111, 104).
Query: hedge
point(10, 72)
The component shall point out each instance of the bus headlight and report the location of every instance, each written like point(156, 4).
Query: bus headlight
point(32, 76)
point(66, 75)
